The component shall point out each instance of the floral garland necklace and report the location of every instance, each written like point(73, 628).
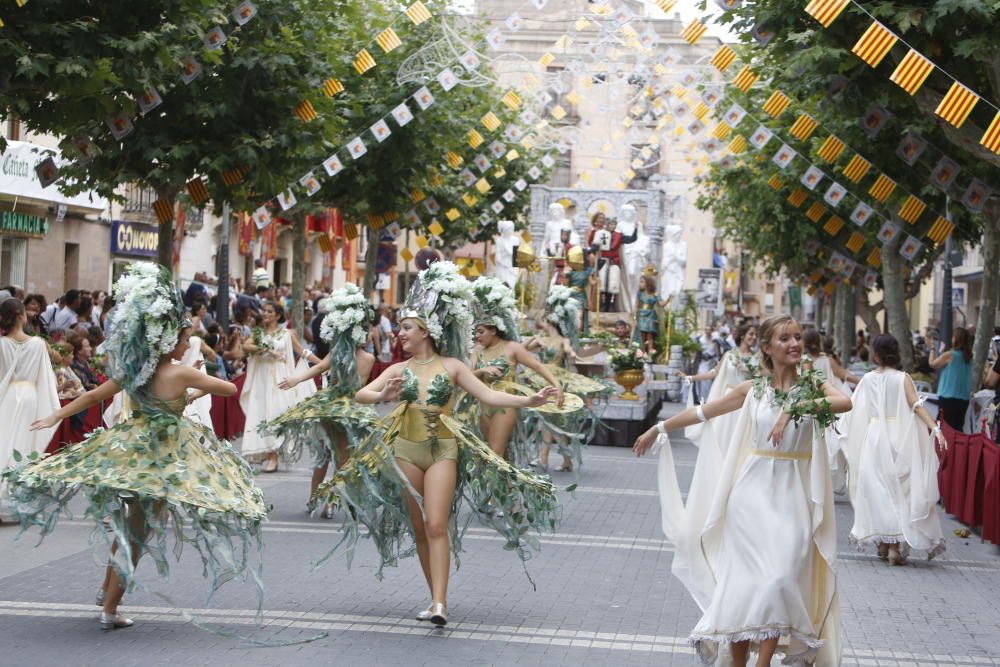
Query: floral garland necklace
point(803, 399)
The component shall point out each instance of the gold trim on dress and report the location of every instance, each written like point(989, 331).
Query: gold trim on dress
point(784, 456)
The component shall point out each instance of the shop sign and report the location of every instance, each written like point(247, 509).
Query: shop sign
point(21, 223)
point(133, 238)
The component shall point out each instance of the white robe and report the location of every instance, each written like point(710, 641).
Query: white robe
point(261, 400)
point(760, 560)
point(894, 486)
point(732, 373)
point(27, 393)
point(200, 409)
point(836, 433)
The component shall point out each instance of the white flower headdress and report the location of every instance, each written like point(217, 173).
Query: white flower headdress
point(344, 328)
point(563, 311)
point(496, 306)
point(146, 323)
point(440, 300)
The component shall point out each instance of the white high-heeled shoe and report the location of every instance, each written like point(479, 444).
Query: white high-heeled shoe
point(426, 614)
point(439, 615)
point(114, 621)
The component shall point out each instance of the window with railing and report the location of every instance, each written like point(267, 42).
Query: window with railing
point(138, 198)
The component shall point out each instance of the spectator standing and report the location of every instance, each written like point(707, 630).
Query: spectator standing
point(66, 317)
point(34, 307)
point(954, 381)
point(260, 276)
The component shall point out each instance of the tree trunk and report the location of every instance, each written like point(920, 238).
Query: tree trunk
point(298, 272)
point(371, 253)
point(836, 325)
point(867, 313)
point(895, 300)
point(990, 293)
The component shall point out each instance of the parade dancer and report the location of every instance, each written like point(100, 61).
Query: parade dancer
point(736, 367)
point(894, 485)
point(495, 361)
point(555, 347)
point(761, 560)
point(158, 474)
point(27, 392)
point(329, 423)
point(271, 360)
point(408, 479)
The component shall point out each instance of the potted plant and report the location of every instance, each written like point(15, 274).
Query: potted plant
point(628, 363)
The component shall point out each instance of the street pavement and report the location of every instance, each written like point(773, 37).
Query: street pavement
point(604, 595)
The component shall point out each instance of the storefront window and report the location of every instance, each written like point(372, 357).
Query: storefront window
point(13, 261)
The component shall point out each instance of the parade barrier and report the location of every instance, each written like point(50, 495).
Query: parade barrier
point(76, 428)
point(969, 480)
point(227, 415)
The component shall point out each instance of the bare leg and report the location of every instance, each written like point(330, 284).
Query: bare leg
point(439, 490)
point(416, 477)
point(501, 427)
point(319, 474)
point(543, 454)
point(766, 651)
point(739, 651)
point(115, 588)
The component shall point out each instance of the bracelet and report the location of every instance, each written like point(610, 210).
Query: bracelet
point(660, 429)
point(701, 414)
point(936, 429)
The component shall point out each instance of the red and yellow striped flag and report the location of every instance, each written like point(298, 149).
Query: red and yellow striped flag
point(857, 168)
point(232, 176)
point(875, 44)
point(882, 188)
point(164, 210)
point(856, 242)
point(911, 72)
point(826, 11)
point(957, 104)
point(490, 121)
point(831, 149)
point(775, 182)
point(803, 127)
point(833, 225)
point(363, 61)
point(376, 221)
point(665, 5)
point(350, 231)
point(991, 138)
point(776, 104)
point(721, 131)
point(454, 159)
point(512, 100)
point(693, 32)
point(332, 87)
point(911, 209)
point(475, 139)
point(388, 40)
point(701, 110)
point(940, 230)
point(829, 287)
point(305, 111)
point(416, 196)
point(875, 258)
point(197, 190)
point(797, 197)
point(745, 78)
point(738, 144)
point(816, 211)
point(546, 59)
point(418, 13)
point(723, 58)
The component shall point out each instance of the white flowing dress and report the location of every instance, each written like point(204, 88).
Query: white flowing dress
point(836, 433)
point(894, 486)
point(261, 400)
point(27, 393)
point(761, 561)
point(734, 370)
point(200, 409)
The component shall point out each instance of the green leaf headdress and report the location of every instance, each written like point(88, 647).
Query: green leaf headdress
point(344, 328)
point(495, 306)
point(441, 300)
point(146, 323)
point(563, 311)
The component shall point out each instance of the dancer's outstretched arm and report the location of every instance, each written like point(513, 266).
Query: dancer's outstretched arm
point(84, 402)
point(732, 401)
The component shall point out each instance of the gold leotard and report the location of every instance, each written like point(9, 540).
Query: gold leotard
point(417, 444)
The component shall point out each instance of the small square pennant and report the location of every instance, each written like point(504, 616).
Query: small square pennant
point(435, 228)
point(495, 39)
point(310, 183)
point(333, 165)
point(447, 79)
point(470, 61)
point(509, 196)
point(380, 131)
point(357, 148)
point(287, 200)
point(402, 114)
point(521, 184)
point(423, 98)
point(262, 217)
point(406, 255)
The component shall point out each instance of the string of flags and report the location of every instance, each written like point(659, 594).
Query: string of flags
point(913, 70)
point(20, 3)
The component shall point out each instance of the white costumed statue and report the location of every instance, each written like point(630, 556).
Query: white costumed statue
point(503, 268)
point(673, 263)
point(636, 256)
point(559, 235)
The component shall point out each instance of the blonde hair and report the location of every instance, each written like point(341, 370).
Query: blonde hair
point(766, 332)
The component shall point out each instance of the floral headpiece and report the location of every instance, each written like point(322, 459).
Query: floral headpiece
point(440, 300)
point(563, 311)
point(146, 323)
point(495, 306)
point(344, 328)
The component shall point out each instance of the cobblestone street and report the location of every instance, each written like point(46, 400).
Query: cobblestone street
point(604, 595)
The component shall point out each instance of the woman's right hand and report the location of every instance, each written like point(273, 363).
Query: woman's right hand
point(393, 388)
point(644, 442)
point(289, 382)
point(542, 397)
point(492, 373)
point(40, 424)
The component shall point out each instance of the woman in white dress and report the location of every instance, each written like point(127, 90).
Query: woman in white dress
point(199, 408)
point(737, 366)
point(270, 362)
point(894, 486)
point(27, 391)
point(762, 559)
